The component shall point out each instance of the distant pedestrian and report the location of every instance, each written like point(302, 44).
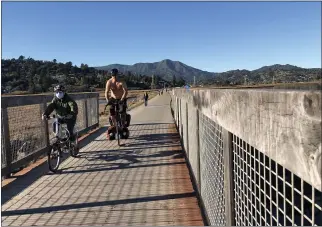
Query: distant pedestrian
point(146, 98)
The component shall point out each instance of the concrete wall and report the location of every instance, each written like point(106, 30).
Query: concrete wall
point(285, 125)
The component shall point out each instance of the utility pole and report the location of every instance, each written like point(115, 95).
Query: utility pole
point(194, 81)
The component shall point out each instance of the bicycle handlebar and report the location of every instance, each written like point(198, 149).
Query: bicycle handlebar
point(59, 117)
point(113, 102)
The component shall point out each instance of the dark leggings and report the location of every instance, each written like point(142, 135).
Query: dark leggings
point(70, 126)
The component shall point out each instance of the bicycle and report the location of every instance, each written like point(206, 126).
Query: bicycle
point(61, 143)
point(122, 121)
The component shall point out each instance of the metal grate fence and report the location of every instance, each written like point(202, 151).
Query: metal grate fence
point(25, 131)
point(92, 110)
point(266, 193)
point(3, 155)
point(245, 187)
point(212, 170)
point(193, 141)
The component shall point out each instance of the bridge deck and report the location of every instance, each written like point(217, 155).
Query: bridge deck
point(144, 182)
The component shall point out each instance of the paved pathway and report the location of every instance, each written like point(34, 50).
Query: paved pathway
point(144, 182)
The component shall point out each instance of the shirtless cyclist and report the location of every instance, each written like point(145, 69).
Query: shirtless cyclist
point(118, 92)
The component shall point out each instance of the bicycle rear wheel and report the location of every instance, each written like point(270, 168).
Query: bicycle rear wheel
point(118, 134)
point(74, 147)
point(54, 156)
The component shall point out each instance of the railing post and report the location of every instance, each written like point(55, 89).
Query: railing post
point(98, 109)
point(85, 114)
point(43, 107)
point(187, 138)
point(198, 150)
point(180, 120)
point(178, 112)
point(6, 137)
point(228, 177)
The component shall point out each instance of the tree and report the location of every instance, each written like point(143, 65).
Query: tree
point(174, 82)
point(69, 64)
point(45, 80)
point(181, 82)
point(271, 75)
point(21, 58)
point(84, 68)
point(31, 84)
point(84, 80)
point(55, 61)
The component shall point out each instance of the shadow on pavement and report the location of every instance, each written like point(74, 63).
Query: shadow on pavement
point(96, 204)
point(146, 124)
point(121, 166)
point(24, 181)
point(130, 155)
point(150, 140)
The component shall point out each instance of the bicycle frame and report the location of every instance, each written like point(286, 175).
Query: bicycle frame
point(58, 129)
point(118, 115)
point(119, 120)
point(62, 142)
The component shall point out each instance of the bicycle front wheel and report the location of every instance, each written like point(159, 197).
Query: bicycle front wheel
point(54, 156)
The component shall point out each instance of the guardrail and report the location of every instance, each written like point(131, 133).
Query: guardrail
point(25, 137)
point(255, 155)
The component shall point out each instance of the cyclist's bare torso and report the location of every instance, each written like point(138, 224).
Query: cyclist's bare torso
point(117, 88)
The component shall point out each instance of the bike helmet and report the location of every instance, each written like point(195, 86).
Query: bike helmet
point(114, 72)
point(59, 87)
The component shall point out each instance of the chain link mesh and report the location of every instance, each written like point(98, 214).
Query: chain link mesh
point(3, 154)
point(266, 193)
point(92, 111)
point(193, 138)
point(184, 125)
point(81, 124)
point(177, 111)
point(212, 170)
point(25, 131)
point(180, 117)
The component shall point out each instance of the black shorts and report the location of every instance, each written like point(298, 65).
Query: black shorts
point(122, 108)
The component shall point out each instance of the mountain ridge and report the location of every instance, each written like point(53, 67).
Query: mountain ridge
point(167, 68)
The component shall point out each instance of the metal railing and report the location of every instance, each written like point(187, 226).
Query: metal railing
point(237, 183)
point(25, 137)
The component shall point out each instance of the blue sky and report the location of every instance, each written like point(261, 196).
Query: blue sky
point(212, 36)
